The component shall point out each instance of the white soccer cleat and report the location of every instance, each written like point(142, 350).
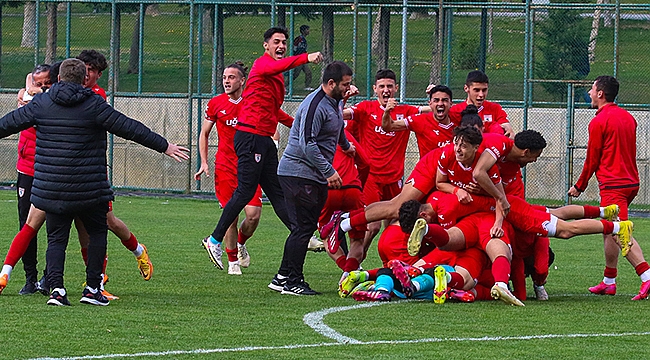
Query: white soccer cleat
point(243, 256)
point(233, 268)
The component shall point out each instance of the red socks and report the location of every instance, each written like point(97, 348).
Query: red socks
point(608, 227)
point(501, 269)
point(457, 281)
point(131, 243)
point(612, 272)
point(641, 268)
point(241, 238)
point(351, 264)
point(358, 221)
point(372, 274)
point(340, 262)
point(19, 245)
point(437, 235)
point(232, 254)
point(591, 212)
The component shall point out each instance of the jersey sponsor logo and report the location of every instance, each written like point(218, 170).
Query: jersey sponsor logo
point(21, 192)
point(258, 157)
point(378, 129)
point(443, 143)
point(231, 122)
point(487, 118)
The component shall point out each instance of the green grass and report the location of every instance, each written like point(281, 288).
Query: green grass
point(166, 51)
point(191, 305)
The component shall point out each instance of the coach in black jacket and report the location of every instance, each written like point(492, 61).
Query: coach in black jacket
point(70, 168)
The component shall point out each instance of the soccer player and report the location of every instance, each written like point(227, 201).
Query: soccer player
point(611, 155)
point(258, 119)
point(81, 188)
point(432, 129)
point(495, 119)
point(223, 110)
point(305, 170)
point(386, 150)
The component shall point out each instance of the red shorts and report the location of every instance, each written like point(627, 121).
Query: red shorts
point(374, 191)
point(473, 260)
point(423, 176)
point(225, 183)
point(344, 200)
point(516, 188)
point(476, 229)
point(620, 197)
point(392, 246)
point(527, 218)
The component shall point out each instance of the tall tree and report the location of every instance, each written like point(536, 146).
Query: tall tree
point(52, 27)
point(29, 25)
point(381, 37)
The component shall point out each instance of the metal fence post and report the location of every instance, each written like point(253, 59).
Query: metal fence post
point(568, 165)
point(402, 76)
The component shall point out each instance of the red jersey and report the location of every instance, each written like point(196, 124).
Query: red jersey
point(611, 150)
point(499, 146)
point(392, 246)
point(423, 176)
point(386, 150)
point(223, 111)
point(264, 94)
point(457, 173)
point(492, 114)
point(352, 170)
point(99, 91)
point(430, 133)
point(449, 211)
point(26, 151)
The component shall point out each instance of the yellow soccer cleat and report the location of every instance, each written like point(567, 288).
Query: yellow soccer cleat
point(144, 264)
point(440, 284)
point(415, 239)
point(611, 212)
point(505, 295)
point(351, 281)
point(625, 236)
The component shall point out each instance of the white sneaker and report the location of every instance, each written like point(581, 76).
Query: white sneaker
point(242, 256)
point(540, 292)
point(233, 268)
point(214, 252)
point(315, 244)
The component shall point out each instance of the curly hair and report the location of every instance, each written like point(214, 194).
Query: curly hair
point(409, 212)
point(530, 139)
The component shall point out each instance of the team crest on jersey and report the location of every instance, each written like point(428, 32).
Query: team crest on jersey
point(400, 183)
point(258, 157)
point(487, 118)
point(399, 117)
point(21, 192)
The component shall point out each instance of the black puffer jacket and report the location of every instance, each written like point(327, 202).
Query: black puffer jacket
point(70, 163)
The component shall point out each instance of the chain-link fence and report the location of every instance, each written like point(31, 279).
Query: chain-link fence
point(166, 59)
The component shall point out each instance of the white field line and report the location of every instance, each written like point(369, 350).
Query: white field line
point(315, 321)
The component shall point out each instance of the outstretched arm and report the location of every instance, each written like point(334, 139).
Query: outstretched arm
point(203, 149)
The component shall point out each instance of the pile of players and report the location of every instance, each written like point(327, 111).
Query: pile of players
point(460, 226)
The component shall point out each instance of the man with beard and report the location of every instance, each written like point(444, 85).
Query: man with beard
point(305, 170)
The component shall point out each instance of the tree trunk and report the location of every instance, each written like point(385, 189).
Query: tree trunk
point(50, 48)
point(220, 50)
point(594, 33)
point(435, 75)
point(328, 36)
point(29, 25)
point(207, 25)
point(380, 37)
point(134, 52)
point(282, 16)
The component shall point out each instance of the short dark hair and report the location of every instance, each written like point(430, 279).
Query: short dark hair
point(336, 71)
point(304, 27)
point(468, 134)
point(268, 34)
point(531, 140)
point(409, 212)
point(239, 66)
point(470, 117)
point(476, 76)
point(440, 88)
point(54, 72)
point(73, 70)
point(609, 86)
point(385, 74)
point(41, 68)
point(94, 59)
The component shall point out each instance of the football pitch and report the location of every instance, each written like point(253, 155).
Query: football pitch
point(192, 310)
